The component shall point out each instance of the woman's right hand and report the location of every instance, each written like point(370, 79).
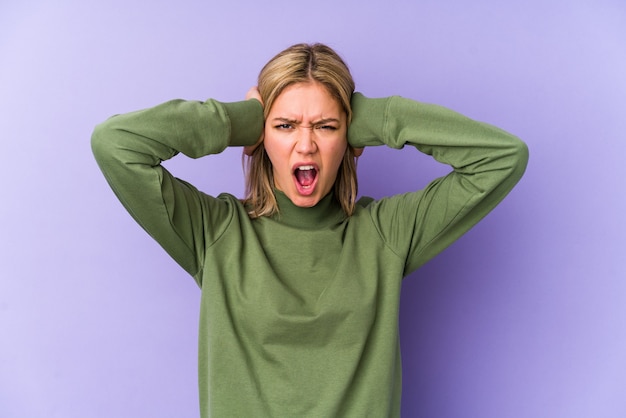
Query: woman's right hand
point(253, 93)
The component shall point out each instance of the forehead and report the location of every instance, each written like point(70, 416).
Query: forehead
point(305, 101)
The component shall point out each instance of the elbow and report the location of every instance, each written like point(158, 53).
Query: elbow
point(99, 143)
point(520, 156)
point(513, 160)
point(102, 143)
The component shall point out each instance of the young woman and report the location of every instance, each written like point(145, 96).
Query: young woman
point(300, 281)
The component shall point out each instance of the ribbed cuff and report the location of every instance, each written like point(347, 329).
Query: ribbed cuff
point(246, 122)
point(368, 121)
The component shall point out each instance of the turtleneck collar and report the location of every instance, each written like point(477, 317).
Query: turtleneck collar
point(327, 212)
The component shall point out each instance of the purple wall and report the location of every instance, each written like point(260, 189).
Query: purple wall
point(525, 316)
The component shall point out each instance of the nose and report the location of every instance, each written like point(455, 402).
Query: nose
point(306, 140)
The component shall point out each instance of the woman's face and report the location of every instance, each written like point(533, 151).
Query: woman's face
point(305, 138)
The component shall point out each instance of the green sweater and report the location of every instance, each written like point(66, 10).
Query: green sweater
point(299, 312)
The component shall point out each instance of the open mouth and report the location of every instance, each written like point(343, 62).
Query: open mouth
point(305, 176)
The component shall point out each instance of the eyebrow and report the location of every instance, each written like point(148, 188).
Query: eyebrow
point(296, 122)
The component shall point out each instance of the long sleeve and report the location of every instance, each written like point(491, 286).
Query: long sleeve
point(129, 149)
point(486, 164)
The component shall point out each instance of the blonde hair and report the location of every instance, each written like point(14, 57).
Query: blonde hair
point(300, 63)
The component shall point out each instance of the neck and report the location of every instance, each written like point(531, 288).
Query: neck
point(325, 213)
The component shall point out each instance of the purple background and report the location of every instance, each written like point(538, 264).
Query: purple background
point(525, 316)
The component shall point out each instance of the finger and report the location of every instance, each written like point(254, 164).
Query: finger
point(253, 93)
point(249, 149)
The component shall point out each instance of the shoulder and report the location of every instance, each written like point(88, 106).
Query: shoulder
point(365, 201)
point(234, 204)
point(223, 209)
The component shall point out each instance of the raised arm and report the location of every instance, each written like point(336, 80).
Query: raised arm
point(129, 149)
point(486, 163)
